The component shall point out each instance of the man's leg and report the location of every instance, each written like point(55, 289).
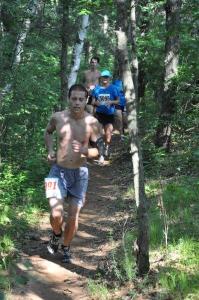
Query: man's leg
point(70, 230)
point(56, 220)
point(56, 215)
point(108, 129)
point(119, 121)
point(71, 223)
point(108, 134)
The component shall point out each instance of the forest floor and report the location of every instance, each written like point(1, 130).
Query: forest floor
point(42, 276)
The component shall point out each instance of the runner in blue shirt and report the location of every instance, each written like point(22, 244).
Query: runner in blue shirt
point(106, 96)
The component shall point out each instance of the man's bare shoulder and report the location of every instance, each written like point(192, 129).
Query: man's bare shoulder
point(87, 72)
point(60, 114)
point(90, 118)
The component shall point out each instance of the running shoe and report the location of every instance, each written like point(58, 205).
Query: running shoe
point(53, 244)
point(101, 160)
point(66, 254)
point(106, 151)
point(122, 137)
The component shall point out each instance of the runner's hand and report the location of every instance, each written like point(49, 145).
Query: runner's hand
point(108, 103)
point(97, 103)
point(79, 148)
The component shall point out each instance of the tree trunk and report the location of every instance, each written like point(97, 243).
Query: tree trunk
point(105, 25)
point(76, 59)
point(1, 23)
point(167, 102)
point(144, 25)
point(64, 51)
point(133, 47)
point(86, 51)
point(19, 45)
point(138, 174)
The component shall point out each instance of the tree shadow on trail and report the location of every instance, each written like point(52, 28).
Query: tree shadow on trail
point(27, 285)
point(97, 220)
point(84, 249)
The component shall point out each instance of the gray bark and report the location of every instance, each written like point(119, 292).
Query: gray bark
point(138, 173)
point(143, 20)
point(1, 23)
point(133, 45)
point(76, 59)
point(167, 102)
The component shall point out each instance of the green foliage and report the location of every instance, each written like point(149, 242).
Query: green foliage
point(20, 206)
point(176, 262)
point(121, 264)
point(4, 284)
point(181, 280)
point(128, 264)
point(98, 290)
point(180, 200)
point(36, 90)
point(179, 275)
point(6, 246)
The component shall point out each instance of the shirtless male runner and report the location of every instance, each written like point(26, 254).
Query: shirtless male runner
point(91, 79)
point(68, 177)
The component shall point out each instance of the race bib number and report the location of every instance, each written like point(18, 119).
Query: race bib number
point(104, 99)
point(51, 187)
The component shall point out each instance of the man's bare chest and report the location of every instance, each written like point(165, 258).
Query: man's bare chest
point(92, 76)
point(79, 131)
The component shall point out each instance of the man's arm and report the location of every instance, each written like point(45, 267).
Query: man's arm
point(83, 149)
point(116, 96)
point(48, 138)
point(96, 140)
point(116, 101)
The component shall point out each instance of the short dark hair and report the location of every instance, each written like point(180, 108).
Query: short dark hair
point(77, 87)
point(96, 58)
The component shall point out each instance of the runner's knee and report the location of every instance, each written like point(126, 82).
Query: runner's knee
point(73, 213)
point(56, 206)
point(72, 222)
point(57, 213)
point(109, 129)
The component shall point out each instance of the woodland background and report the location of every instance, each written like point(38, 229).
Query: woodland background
point(37, 40)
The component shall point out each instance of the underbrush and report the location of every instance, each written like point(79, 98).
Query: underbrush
point(174, 236)
point(21, 205)
point(174, 227)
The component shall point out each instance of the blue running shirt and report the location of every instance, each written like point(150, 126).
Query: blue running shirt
point(119, 85)
point(104, 94)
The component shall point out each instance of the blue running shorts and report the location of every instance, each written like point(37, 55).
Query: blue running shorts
point(62, 182)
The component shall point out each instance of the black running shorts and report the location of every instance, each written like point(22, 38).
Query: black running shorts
point(105, 119)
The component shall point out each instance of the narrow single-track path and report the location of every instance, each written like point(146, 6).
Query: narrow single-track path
point(45, 277)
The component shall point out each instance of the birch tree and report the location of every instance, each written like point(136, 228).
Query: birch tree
point(19, 45)
point(76, 57)
point(142, 245)
point(163, 134)
point(64, 50)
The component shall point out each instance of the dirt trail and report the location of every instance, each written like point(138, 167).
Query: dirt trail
point(43, 276)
